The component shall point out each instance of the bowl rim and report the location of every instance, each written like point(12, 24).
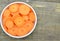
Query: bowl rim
point(27, 33)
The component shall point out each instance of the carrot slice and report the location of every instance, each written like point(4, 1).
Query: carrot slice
point(19, 21)
point(28, 26)
point(12, 31)
point(25, 29)
point(9, 24)
point(13, 7)
point(25, 18)
point(31, 16)
point(24, 9)
point(6, 13)
point(21, 32)
point(4, 19)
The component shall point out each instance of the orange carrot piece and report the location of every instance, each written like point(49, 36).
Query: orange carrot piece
point(9, 24)
point(25, 18)
point(21, 32)
point(24, 9)
point(25, 29)
point(4, 19)
point(13, 7)
point(31, 16)
point(6, 13)
point(12, 31)
point(28, 26)
point(19, 21)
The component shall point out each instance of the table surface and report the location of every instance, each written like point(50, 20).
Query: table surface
point(48, 22)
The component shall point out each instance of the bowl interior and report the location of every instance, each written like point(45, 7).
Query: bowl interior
point(34, 23)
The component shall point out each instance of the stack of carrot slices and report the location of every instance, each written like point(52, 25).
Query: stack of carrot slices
point(18, 19)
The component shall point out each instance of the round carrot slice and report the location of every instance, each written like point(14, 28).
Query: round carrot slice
point(24, 9)
point(28, 26)
point(31, 16)
point(12, 31)
point(25, 18)
point(4, 19)
point(13, 7)
point(25, 29)
point(9, 24)
point(21, 32)
point(6, 13)
point(19, 21)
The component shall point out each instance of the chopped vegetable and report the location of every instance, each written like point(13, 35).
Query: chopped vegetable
point(17, 19)
point(24, 10)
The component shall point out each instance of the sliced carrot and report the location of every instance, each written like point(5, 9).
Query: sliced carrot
point(13, 7)
point(9, 24)
point(4, 20)
point(31, 16)
point(19, 21)
point(6, 13)
point(28, 26)
point(21, 32)
point(12, 31)
point(25, 18)
point(25, 29)
point(24, 9)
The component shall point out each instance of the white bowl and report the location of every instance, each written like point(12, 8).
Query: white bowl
point(27, 33)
